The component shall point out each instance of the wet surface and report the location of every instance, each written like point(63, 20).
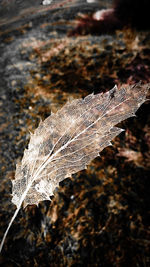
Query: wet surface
point(101, 215)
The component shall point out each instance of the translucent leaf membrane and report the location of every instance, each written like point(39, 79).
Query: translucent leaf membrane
point(67, 141)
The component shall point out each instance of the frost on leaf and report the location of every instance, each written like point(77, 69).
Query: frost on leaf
point(67, 141)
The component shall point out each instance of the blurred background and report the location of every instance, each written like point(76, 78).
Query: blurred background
point(48, 55)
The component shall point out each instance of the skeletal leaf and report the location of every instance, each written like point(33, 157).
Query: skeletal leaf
point(67, 141)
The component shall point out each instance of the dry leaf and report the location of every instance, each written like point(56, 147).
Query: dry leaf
point(67, 141)
point(131, 155)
